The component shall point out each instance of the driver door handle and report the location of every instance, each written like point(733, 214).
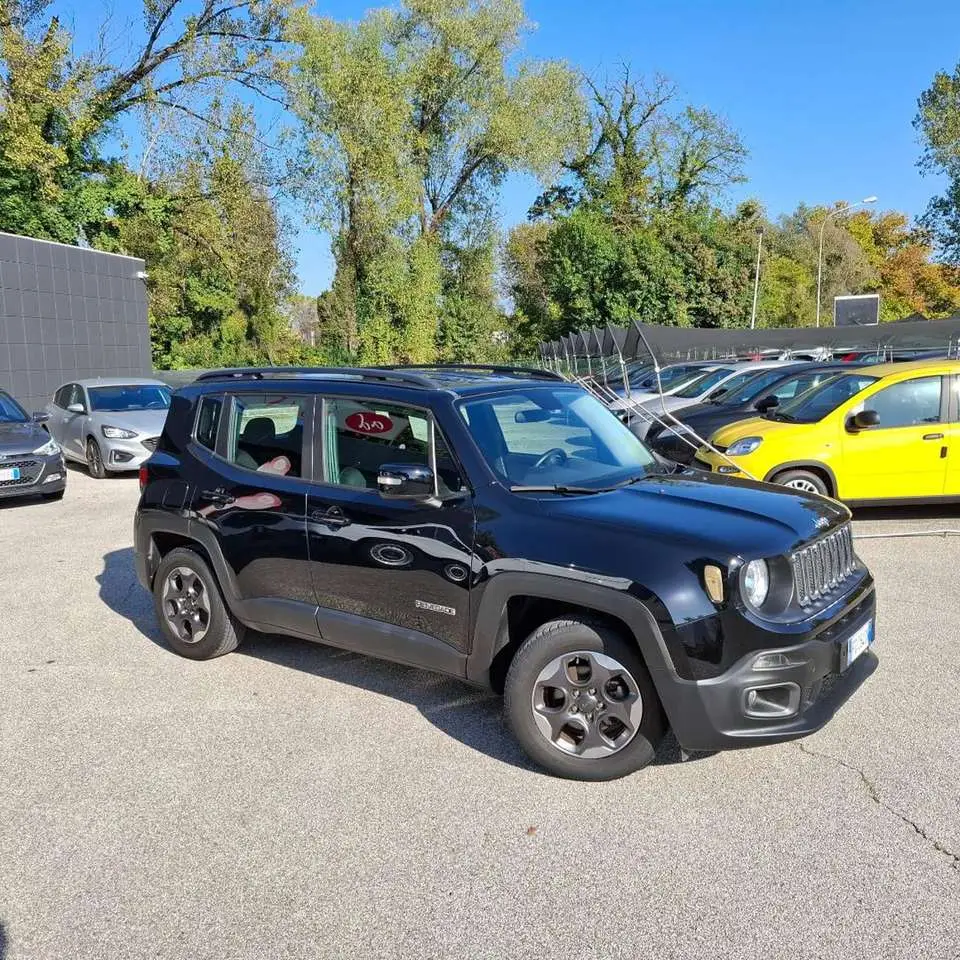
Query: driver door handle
point(332, 517)
point(933, 436)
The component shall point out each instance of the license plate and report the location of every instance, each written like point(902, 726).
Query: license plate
point(11, 473)
point(857, 643)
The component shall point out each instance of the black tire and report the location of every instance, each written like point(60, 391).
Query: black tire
point(550, 641)
point(803, 480)
point(223, 631)
point(54, 496)
point(95, 460)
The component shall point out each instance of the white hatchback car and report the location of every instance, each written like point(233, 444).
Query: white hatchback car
point(640, 412)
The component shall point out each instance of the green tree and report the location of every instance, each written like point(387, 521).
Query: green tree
point(632, 232)
point(413, 117)
point(938, 123)
point(219, 266)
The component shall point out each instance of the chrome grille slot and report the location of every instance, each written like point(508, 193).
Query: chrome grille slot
point(822, 566)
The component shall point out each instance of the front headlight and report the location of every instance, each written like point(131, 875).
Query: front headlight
point(755, 583)
point(118, 433)
point(741, 448)
point(48, 449)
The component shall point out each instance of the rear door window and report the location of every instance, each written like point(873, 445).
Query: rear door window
point(266, 433)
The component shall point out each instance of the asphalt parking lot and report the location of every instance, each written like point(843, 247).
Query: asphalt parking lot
point(292, 801)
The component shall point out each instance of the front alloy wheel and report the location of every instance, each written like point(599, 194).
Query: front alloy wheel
point(581, 702)
point(587, 704)
point(95, 460)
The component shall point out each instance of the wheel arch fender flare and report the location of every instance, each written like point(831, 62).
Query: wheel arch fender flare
point(816, 465)
point(489, 635)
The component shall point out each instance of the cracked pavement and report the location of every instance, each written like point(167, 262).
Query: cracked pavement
point(293, 801)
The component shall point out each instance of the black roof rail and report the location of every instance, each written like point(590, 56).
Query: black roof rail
point(534, 373)
point(379, 374)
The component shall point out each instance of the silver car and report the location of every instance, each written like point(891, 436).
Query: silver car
point(111, 424)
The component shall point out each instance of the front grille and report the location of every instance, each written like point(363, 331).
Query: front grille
point(822, 566)
point(29, 471)
point(151, 443)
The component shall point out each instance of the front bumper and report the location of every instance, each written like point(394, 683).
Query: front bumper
point(39, 475)
point(120, 456)
point(713, 714)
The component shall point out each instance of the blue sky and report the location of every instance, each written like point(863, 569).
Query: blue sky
point(822, 93)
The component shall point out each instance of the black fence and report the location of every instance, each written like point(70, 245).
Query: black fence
point(67, 313)
point(668, 343)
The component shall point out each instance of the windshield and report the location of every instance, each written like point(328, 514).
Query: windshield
point(703, 383)
point(134, 396)
point(542, 436)
point(815, 404)
point(669, 377)
point(745, 386)
point(10, 410)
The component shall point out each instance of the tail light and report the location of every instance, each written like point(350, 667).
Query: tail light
point(143, 478)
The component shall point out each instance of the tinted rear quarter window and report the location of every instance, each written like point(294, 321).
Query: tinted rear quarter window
point(208, 422)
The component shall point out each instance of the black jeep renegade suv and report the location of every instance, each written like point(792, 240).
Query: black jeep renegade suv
point(502, 526)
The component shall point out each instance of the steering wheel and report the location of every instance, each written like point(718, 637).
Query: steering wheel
point(555, 456)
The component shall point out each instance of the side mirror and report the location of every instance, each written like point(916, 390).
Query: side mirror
point(409, 481)
point(77, 408)
point(863, 420)
point(41, 417)
point(766, 403)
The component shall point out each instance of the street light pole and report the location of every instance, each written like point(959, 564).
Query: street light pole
point(756, 281)
point(842, 209)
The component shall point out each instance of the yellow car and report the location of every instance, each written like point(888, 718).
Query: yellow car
point(874, 434)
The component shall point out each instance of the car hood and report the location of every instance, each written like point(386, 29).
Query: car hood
point(148, 423)
point(21, 438)
point(669, 403)
point(705, 418)
point(756, 427)
point(723, 516)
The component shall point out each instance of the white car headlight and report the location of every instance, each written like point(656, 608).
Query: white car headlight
point(742, 447)
point(118, 433)
point(48, 449)
point(755, 583)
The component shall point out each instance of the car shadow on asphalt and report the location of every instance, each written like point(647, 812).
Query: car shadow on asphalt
point(472, 716)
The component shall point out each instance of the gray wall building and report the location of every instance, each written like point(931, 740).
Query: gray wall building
point(68, 313)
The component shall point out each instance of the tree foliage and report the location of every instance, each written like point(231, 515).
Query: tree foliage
point(413, 117)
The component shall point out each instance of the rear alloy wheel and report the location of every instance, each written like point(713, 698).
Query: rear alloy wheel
point(191, 611)
point(802, 480)
point(95, 460)
point(581, 703)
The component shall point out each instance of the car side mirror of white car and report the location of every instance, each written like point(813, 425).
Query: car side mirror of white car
point(77, 408)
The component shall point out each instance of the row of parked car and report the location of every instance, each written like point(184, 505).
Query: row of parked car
point(864, 434)
point(109, 425)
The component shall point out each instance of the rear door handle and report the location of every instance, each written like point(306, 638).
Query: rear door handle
point(220, 496)
point(933, 436)
point(332, 517)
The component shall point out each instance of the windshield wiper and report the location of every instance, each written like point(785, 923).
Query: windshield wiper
point(563, 488)
point(553, 488)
